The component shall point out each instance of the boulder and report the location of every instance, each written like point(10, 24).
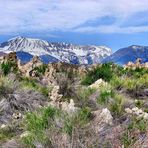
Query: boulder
point(27, 69)
point(102, 118)
point(69, 107)
point(98, 84)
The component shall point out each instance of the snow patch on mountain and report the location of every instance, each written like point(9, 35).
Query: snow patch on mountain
point(70, 53)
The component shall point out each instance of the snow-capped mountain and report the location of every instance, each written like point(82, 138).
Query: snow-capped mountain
point(131, 53)
point(53, 52)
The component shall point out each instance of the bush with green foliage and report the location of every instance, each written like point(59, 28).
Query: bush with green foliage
point(136, 73)
point(6, 133)
point(79, 120)
point(6, 87)
point(37, 123)
point(33, 84)
point(117, 105)
point(104, 72)
point(8, 67)
point(137, 126)
point(41, 69)
point(106, 93)
point(134, 84)
point(139, 103)
point(82, 96)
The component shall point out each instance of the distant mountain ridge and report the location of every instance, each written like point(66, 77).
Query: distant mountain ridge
point(131, 53)
point(53, 52)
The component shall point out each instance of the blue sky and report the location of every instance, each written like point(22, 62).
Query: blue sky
point(114, 23)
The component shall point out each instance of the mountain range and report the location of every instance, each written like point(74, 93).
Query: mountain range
point(131, 53)
point(50, 52)
point(53, 52)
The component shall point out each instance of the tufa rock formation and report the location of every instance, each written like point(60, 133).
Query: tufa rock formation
point(138, 64)
point(27, 69)
point(11, 57)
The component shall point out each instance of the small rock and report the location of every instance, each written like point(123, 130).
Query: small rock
point(128, 110)
point(3, 126)
point(69, 107)
point(25, 134)
point(138, 112)
point(106, 116)
point(145, 117)
point(135, 109)
point(98, 84)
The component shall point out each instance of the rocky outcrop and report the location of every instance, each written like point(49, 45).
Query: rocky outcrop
point(138, 64)
point(11, 57)
point(55, 97)
point(54, 70)
point(137, 112)
point(98, 84)
point(27, 69)
point(102, 118)
point(69, 107)
point(56, 101)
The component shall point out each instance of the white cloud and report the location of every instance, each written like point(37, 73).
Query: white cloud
point(113, 29)
point(64, 15)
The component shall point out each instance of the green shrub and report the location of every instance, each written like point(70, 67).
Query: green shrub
point(68, 126)
point(82, 96)
point(139, 103)
point(41, 69)
point(8, 67)
point(33, 84)
point(117, 105)
point(119, 70)
point(146, 110)
point(32, 138)
point(6, 87)
point(79, 120)
point(6, 134)
point(37, 123)
point(83, 116)
point(105, 95)
point(127, 139)
point(134, 84)
point(137, 126)
point(104, 72)
point(136, 73)
point(117, 82)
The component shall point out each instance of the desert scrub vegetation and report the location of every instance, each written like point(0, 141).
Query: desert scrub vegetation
point(82, 96)
point(103, 71)
point(8, 67)
point(40, 123)
point(30, 83)
point(117, 105)
point(6, 86)
point(37, 123)
point(133, 131)
point(105, 94)
point(110, 98)
point(135, 84)
point(5, 134)
point(41, 69)
point(79, 120)
point(137, 72)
